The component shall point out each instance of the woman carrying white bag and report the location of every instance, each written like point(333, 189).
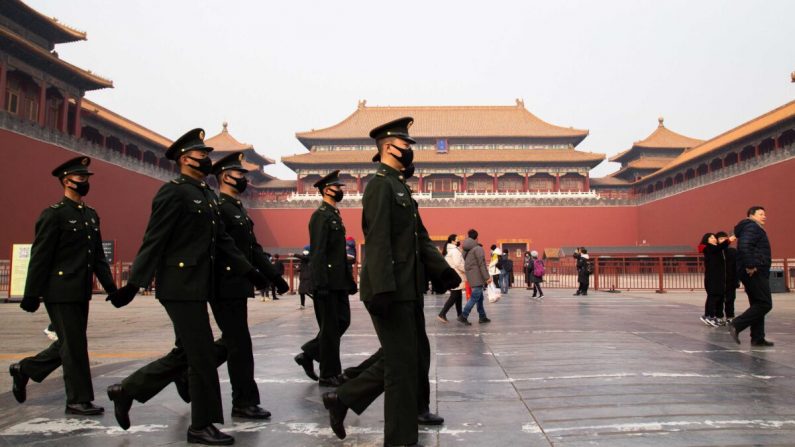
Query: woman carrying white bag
point(493, 293)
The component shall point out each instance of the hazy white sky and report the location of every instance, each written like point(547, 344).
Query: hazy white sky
point(275, 68)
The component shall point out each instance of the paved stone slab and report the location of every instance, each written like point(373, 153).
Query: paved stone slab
point(623, 369)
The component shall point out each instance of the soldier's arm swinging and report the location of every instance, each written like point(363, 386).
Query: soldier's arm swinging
point(318, 240)
point(377, 226)
point(166, 210)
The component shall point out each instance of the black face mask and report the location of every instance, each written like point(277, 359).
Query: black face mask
point(457, 243)
point(336, 195)
point(408, 172)
point(406, 156)
point(239, 185)
point(205, 165)
point(81, 188)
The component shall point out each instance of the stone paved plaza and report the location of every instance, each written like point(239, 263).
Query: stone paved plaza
point(626, 369)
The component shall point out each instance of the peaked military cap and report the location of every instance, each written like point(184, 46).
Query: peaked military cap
point(330, 180)
point(193, 140)
point(396, 128)
point(77, 165)
point(231, 161)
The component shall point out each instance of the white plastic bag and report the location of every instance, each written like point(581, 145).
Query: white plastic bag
point(493, 293)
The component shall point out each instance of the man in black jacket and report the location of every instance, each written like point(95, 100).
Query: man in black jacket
point(753, 267)
point(184, 235)
point(66, 254)
point(230, 306)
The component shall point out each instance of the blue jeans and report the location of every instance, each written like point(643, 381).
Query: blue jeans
point(504, 282)
point(476, 298)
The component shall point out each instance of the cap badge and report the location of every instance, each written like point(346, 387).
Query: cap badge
point(201, 135)
point(240, 157)
point(84, 162)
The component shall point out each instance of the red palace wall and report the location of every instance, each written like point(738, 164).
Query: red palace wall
point(684, 218)
point(123, 199)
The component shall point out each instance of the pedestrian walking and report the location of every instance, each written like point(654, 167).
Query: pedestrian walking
point(452, 254)
point(184, 235)
point(714, 276)
point(753, 267)
point(66, 255)
point(304, 276)
point(584, 270)
point(399, 252)
point(527, 268)
point(538, 275)
point(494, 259)
point(332, 281)
point(732, 281)
point(477, 275)
point(502, 265)
point(279, 267)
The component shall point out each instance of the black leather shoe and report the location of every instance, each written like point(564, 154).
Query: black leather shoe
point(428, 418)
point(733, 333)
point(336, 411)
point(306, 363)
point(251, 412)
point(763, 343)
point(333, 381)
point(484, 320)
point(122, 402)
point(463, 320)
point(183, 387)
point(20, 382)
point(84, 409)
point(209, 435)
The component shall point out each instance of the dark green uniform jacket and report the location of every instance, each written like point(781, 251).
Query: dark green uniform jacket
point(328, 260)
point(66, 252)
point(241, 228)
point(398, 249)
point(184, 233)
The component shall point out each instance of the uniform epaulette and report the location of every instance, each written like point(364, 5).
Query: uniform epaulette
point(380, 174)
point(89, 207)
point(55, 206)
point(178, 181)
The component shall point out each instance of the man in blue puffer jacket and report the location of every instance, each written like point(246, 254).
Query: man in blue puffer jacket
point(753, 269)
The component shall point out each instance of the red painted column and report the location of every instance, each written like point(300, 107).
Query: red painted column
point(42, 103)
point(464, 183)
point(777, 143)
point(359, 183)
point(420, 183)
point(78, 130)
point(557, 182)
point(63, 124)
point(587, 182)
point(3, 87)
point(757, 150)
point(526, 182)
point(494, 181)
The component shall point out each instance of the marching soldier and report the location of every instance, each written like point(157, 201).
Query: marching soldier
point(184, 234)
point(66, 253)
point(393, 275)
point(230, 306)
point(332, 279)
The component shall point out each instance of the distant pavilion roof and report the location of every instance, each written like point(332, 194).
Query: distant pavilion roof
point(479, 156)
point(758, 124)
point(48, 27)
point(37, 56)
point(225, 142)
point(432, 122)
point(662, 138)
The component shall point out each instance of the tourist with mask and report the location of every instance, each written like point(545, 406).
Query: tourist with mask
point(332, 281)
point(452, 254)
point(399, 253)
point(65, 256)
point(180, 249)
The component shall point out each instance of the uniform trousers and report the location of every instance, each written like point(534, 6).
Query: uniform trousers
point(395, 373)
point(757, 287)
point(235, 348)
point(333, 314)
point(423, 370)
point(70, 321)
point(193, 349)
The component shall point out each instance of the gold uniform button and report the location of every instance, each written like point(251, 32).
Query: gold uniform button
point(329, 266)
point(89, 237)
point(228, 268)
point(182, 264)
point(60, 273)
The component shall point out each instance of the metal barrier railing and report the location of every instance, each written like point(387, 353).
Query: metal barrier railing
point(660, 273)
